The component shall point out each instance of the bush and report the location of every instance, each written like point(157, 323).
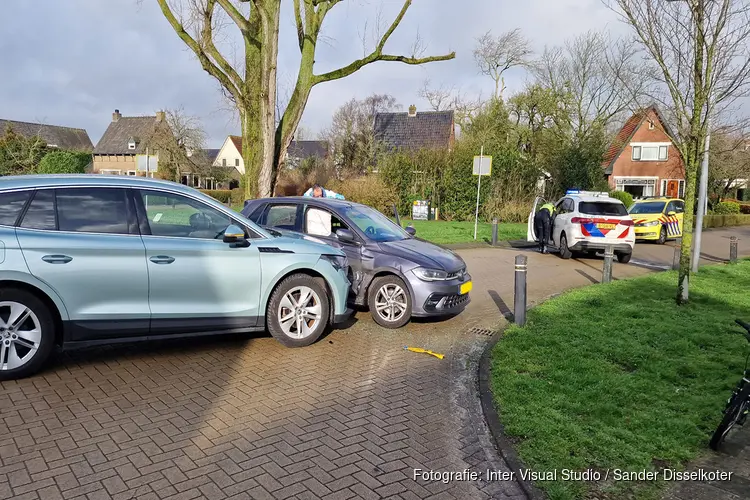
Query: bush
point(220, 195)
point(728, 220)
point(624, 197)
point(64, 162)
point(237, 197)
point(727, 207)
point(369, 190)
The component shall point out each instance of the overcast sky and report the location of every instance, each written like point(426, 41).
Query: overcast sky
point(73, 62)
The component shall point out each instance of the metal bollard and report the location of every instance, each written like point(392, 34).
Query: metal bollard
point(494, 232)
point(609, 255)
point(519, 299)
point(733, 249)
point(676, 258)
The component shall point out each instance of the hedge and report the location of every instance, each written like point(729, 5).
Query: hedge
point(726, 208)
point(221, 195)
point(727, 220)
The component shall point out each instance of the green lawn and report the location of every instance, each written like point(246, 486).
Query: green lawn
point(445, 232)
point(618, 376)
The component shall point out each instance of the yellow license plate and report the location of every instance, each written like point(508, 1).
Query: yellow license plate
point(466, 287)
point(606, 226)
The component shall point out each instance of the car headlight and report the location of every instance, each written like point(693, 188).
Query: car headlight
point(339, 262)
point(650, 224)
point(426, 274)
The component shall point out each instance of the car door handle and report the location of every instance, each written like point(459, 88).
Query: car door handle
point(57, 259)
point(161, 259)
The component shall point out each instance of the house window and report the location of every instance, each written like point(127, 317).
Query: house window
point(111, 172)
point(223, 162)
point(651, 125)
point(209, 183)
point(131, 144)
point(131, 172)
point(196, 181)
point(236, 162)
point(650, 153)
point(636, 186)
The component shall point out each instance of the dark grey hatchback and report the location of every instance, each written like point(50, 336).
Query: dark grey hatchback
point(395, 274)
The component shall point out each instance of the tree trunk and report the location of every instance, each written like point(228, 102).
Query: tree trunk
point(683, 279)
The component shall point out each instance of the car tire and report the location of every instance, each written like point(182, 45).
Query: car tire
point(565, 252)
point(294, 323)
point(381, 289)
point(624, 258)
point(662, 236)
point(22, 345)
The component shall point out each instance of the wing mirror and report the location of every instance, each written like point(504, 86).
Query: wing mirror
point(410, 230)
point(235, 235)
point(345, 236)
point(672, 212)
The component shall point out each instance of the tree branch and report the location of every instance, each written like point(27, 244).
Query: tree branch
point(207, 37)
point(235, 15)
point(300, 26)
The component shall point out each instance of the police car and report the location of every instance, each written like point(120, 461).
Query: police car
point(588, 221)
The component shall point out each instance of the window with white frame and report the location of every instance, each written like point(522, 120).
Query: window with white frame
point(131, 172)
point(680, 187)
point(236, 162)
point(110, 172)
point(650, 153)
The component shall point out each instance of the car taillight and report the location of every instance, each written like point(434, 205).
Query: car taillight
point(581, 220)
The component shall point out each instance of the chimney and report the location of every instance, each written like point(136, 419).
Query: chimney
point(116, 115)
point(412, 110)
point(160, 116)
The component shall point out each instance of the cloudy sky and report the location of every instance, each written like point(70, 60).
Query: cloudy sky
point(73, 62)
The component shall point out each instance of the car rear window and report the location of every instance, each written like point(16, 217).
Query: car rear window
point(602, 208)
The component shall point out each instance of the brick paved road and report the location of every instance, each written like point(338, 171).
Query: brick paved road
point(243, 417)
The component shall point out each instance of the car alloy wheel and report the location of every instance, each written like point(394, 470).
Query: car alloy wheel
point(391, 303)
point(20, 335)
point(299, 312)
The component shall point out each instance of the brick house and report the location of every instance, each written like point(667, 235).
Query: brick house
point(642, 159)
point(123, 149)
point(413, 131)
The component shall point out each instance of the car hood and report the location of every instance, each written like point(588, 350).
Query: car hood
point(424, 254)
point(641, 218)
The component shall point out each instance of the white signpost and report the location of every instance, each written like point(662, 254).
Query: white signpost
point(482, 166)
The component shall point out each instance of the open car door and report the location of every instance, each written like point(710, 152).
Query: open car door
point(530, 232)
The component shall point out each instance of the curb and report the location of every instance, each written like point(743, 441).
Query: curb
point(504, 245)
point(502, 443)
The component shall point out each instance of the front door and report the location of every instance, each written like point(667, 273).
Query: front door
point(561, 218)
point(673, 189)
point(197, 283)
point(84, 243)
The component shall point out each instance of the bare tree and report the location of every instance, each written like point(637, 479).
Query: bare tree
point(440, 98)
point(730, 160)
point(600, 77)
point(180, 141)
point(702, 50)
point(251, 83)
point(495, 55)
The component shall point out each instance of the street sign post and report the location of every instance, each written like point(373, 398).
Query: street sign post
point(482, 166)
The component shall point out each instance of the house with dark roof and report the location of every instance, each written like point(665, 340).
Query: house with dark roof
point(123, 149)
point(68, 138)
point(300, 151)
point(642, 160)
point(413, 131)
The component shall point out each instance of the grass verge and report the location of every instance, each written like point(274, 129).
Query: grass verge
point(448, 232)
point(619, 377)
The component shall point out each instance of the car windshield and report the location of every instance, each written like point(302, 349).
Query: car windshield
point(649, 207)
point(602, 208)
point(375, 225)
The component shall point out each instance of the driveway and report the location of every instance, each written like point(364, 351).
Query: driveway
point(243, 417)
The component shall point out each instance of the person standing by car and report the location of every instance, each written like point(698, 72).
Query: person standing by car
point(543, 225)
point(317, 191)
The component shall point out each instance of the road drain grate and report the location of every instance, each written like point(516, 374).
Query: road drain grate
point(481, 331)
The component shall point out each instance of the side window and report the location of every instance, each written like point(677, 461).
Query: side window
point(175, 215)
point(92, 210)
point(559, 208)
point(679, 207)
point(41, 211)
point(282, 216)
point(257, 214)
point(569, 205)
point(322, 222)
point(11, 206)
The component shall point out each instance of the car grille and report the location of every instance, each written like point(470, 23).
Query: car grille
point(457, 274)
point(452, 301)
point(445, 301)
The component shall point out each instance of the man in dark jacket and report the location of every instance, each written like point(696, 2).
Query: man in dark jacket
point(543, 225)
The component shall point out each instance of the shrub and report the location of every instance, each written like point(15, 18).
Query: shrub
point(237, 197)
point(624, 197)
point(369, 190)
point(220, 195)
point(727, 220)
point(727, 207)
point(64, 162)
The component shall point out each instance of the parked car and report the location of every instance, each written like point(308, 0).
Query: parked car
point(95, 259)
point(395, 274)
point(658, 219)
point(587, 221)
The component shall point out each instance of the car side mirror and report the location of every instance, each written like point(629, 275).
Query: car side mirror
point(672, 212)
point(410, 230)
point(345, 236)
point(234, 235)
